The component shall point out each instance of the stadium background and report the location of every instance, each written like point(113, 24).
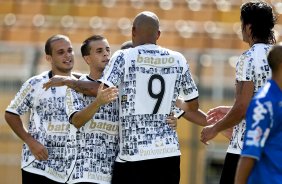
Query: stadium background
point(207, 32)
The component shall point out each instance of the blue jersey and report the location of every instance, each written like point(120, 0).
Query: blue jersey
point(264, 133)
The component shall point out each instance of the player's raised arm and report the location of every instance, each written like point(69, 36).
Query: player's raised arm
point(86, 87)
point(104, 96)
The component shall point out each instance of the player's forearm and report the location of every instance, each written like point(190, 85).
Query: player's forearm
point(232, 118)
point(244, 168)
point(198, 117)
point(89, 88)
point(82, 117)
point(16, 125)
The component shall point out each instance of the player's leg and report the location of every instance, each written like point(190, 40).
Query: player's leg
point(31, 178)
point(122, 173)
point(166, 170)
point(229, 168)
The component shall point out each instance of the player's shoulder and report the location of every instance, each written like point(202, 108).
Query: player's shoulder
point(119, 54)
point(178, 56)
point(271, 88)
point(257, 50)
point(40, 78)
point(84, 77)
point(264, 93)
point(172, 53)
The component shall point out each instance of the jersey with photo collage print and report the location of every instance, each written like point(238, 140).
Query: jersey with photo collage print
point(252, 66)
point(96, 142)
point(48, 124)
point(150, 79)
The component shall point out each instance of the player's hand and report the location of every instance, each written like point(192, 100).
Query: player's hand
point(172, 121)
point(56, 81)
point(216, 114)
point(39, 151)
point(208, 133)
point(106, 95)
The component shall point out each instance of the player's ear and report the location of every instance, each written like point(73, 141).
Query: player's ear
point(87, 59)
point(49, 58)
point(158, 35)
point(133, 30)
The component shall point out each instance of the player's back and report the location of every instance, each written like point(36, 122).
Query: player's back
point(152, 76)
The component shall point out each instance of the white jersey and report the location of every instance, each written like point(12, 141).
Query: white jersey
point(48, 124)
point(251, 66)
point(150, 79)
point(94, 146)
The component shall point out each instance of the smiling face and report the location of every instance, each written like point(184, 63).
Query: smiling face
point(62, 57)
point(99, 55)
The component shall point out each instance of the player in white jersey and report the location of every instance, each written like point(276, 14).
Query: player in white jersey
point(260, 160)
point(150, 78)
point(45, 138)
point(146, 129)
point(97, 135)
point(44, 149)
point(252, 72)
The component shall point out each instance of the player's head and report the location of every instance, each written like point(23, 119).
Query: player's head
point(59, 53)
point(257, 21)
point(275, 58)
point(96, 52)
point(126, 45)
point(145, 28)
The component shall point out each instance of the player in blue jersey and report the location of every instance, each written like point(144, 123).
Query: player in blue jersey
point(261, 160)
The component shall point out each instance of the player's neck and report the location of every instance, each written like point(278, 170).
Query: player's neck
point(144, 43)
point(278, 79)
point(56, 72)
point(95, 75)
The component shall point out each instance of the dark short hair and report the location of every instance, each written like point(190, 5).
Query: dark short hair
point(274, 57)
point(126, 45)
point(85, 48)
point(48, 47)
point(262, 19)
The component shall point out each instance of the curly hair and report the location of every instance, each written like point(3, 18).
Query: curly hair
point(262, 19)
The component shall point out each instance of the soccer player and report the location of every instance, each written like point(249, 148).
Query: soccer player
point(96, 129)
point(252, 72)
point(260, 160)
point(44, 140)
point(150, 78)
point(149, 84)
point(44, 149)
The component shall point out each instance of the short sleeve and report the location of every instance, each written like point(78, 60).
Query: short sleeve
point(114, 71)
point(245, 68)
point(24, 99)
point(258, 127)
point(189, 89)
point(74, 102)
